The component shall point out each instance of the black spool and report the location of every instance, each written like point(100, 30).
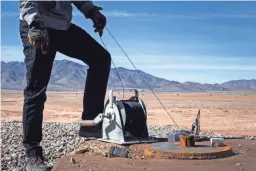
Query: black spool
point(136, 120)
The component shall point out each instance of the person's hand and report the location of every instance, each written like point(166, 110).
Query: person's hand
point(38, 37)
point(99, 20)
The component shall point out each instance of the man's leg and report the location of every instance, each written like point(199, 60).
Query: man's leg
point(79, 44)
point(39, 68)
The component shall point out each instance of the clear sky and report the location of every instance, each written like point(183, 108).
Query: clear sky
point(206, 42)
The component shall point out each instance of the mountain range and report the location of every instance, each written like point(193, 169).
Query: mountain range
point(69, 76)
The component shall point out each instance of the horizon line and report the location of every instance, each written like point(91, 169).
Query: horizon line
point(219, 83)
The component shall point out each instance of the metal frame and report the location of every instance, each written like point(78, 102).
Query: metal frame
point(114, 119)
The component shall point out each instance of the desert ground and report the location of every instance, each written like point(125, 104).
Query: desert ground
point(232, 113)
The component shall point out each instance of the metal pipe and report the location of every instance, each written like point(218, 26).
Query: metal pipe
point(94, 122)
point(87, 123)
point(111, 98)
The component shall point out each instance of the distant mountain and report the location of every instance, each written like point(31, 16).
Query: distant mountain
point(240, 85)
point(192, 86)
point(13, 75)
point(68, 75)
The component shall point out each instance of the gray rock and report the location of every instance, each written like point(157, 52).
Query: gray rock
point(14, 156)
point(60, 149)
point(251, 138)
point(72, 160)
point(136, 157)
point(7, 158)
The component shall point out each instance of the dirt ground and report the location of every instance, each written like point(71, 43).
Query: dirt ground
point(232, 113)
point(243, 159)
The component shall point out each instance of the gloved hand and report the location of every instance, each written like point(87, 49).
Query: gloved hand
point(99, 20)
point(38, 36)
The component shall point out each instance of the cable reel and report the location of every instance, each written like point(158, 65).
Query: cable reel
point(123, 121)
point(127, 123)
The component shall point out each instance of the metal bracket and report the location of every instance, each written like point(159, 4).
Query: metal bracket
point(112, 98)
point(94, 122)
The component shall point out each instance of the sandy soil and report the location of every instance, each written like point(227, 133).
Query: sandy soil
point(232, 113)
point(244, 159)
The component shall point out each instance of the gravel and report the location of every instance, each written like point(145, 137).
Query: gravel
point(59, 139)
point(161, 131)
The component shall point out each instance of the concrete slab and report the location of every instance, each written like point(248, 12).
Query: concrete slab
point(244, 160)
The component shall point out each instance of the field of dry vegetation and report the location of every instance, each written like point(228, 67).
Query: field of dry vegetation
point(232, 113)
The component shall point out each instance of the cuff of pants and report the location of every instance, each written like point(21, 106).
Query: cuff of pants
point(89, 116)
point(34, 151)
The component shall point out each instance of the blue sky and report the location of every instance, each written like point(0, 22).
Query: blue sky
point(206, 42)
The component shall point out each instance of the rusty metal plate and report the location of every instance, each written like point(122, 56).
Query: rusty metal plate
point(174, 150)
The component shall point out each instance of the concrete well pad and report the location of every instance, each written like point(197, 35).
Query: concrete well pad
point(244, 160)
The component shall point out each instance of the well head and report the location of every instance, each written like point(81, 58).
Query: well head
point(201, 150)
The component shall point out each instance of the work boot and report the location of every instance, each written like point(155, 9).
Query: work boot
point(91, 131)
point(36, 163)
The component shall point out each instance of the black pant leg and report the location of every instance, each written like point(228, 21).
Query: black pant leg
point(78, 44)
point(38, 73)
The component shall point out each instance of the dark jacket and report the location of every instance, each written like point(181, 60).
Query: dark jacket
point(55, 14)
